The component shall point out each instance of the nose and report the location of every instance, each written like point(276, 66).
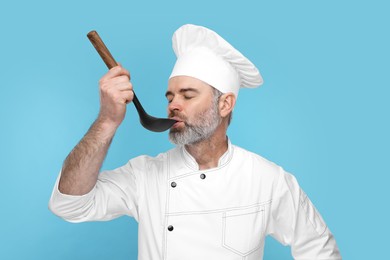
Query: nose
point(174, 106)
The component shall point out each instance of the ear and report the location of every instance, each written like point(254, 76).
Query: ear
point(226, 104)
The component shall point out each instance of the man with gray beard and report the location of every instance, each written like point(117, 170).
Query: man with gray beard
point(202, 128)
point(206, 198)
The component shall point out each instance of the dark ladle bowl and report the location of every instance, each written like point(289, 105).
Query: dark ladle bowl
point(149, 122)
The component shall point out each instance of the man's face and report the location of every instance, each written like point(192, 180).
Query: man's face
point(192, 104)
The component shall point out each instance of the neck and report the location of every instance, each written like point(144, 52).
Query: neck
point(208, 152)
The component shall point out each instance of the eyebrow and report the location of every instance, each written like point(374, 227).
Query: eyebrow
point(183, 90)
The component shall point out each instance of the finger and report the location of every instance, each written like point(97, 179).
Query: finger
point(115, 72)
point(117, 80)
point(118, 84)
point(128, 96)
point(124, 87)
point(124, 71)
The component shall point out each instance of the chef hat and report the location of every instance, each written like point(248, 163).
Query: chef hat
point(203, 54)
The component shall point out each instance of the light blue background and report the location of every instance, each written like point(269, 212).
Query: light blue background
point(323, 112)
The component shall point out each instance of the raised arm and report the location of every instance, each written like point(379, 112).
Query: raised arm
point(81, 167)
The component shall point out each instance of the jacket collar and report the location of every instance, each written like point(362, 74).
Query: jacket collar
point(192, 164)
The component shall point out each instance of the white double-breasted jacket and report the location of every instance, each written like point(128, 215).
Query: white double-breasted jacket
point(222, 213)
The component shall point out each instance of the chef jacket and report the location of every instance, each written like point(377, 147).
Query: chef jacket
point(222, 213)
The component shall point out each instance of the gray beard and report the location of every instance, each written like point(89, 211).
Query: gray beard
point(201, 129)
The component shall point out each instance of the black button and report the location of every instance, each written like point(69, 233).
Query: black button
point(173, 184)
point(170, 227)
point(203, 176)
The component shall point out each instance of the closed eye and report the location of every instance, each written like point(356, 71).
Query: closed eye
point(187, 94)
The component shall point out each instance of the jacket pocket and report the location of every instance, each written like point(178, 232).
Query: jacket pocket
point(243, 229)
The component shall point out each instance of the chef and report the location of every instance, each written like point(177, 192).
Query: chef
point(206, 198)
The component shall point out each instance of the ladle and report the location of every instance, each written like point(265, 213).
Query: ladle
point(149, 122)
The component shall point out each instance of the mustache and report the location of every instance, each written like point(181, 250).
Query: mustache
point(175, 114)
point(180, 116)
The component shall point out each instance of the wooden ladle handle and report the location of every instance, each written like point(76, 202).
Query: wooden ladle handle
point(101, 48)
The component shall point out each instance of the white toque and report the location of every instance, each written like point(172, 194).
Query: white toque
point(203, 54)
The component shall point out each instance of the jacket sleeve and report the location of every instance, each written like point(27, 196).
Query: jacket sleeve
point(296, 222)
point(114, 195)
